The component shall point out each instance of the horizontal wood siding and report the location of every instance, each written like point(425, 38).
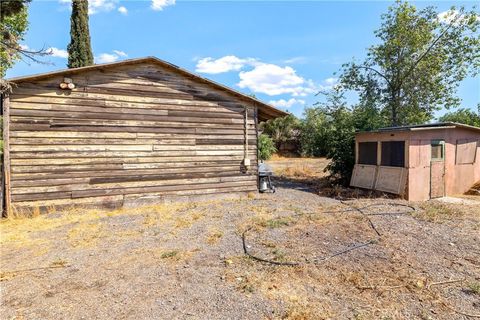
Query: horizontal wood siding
point(128, 131)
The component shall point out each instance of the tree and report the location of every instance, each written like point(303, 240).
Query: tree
point(13, 26)
point(464, 116)
point(79, 49)
point(331, 125)
point(266, 147)
point(282, 129)
point(314, 132)
point(418, 64)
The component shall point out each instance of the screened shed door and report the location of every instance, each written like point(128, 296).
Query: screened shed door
point(437, 169)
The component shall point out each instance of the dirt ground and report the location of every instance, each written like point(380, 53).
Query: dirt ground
point(366, 258)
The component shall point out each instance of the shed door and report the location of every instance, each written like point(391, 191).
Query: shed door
point(437, 169)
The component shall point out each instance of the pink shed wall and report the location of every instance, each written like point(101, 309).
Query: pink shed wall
point(458, 177)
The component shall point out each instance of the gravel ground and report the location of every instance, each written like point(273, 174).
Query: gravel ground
point(186, 261)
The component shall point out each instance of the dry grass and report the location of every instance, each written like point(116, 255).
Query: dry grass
point(438, 212)
point(86, 234)
point(84, 227)
point(299, 168)
point(214, 236)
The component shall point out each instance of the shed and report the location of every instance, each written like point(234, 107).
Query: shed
point(127, 132)
point(418, 162)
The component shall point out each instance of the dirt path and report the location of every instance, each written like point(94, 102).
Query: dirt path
point(186, 261)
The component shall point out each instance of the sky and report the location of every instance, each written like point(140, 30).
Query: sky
point(284, 52)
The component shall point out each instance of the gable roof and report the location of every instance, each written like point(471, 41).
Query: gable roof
point(265, 111)
point(426, 126)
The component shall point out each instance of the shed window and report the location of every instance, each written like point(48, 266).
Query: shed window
point(466, 151)
point(367, 153)
point(437, 149)
point(393, 153)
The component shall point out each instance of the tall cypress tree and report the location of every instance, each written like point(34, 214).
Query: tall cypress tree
point(79, 49)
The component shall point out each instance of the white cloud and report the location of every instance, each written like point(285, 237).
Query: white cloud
point(221, 65)
point(110, 57)
point(331, 81)
point(275, 80)
point(282, 103)
point(123, 10)
point(120, 53)
point(106, 58)
point(158, 5)
point(96, 6)
point(52, 51)
point(59, 53)
point(295, 60)
point(452, 16)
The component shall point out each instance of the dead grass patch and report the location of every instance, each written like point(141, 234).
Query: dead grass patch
point(85, 234)
point(437, 212)
point(214, 236)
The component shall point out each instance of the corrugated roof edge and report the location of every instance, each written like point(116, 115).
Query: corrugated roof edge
point(270, 110)
point(437, 125)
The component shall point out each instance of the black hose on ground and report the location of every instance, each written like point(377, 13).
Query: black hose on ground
point(362, 210)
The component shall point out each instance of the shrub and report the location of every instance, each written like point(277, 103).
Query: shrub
point(282, 129)
point(266, 147)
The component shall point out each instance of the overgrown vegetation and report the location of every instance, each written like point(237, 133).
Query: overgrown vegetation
point(412, 72)
point(266, 147)
point(282, 130)
point(13, 25)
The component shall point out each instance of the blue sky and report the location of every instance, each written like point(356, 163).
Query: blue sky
point(283, 52)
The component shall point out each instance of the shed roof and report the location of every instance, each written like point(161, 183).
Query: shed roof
point(266, 111)
point(426, 126)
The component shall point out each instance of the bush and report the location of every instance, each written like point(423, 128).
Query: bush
point(282, 130)
point(314, 132)
point(266, 147)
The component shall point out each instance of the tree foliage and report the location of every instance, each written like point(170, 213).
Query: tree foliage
point(79, 49)
point(266, 147)
point(13, 25)
point(282, 129)
point(464, 116)
point(314, 132)
point(418, 64)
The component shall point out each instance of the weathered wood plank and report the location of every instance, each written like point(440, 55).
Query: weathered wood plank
point(61, 173)
point(122, 116)
point(132, 160)
point(127, 185)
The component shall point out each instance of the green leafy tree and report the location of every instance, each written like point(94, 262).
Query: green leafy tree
point(13, 25)
point(419, 62)
point(334, 127)
point(266, 147)
point(465, 116)
point(314, 132)
point(282, 129)
point(79, 49)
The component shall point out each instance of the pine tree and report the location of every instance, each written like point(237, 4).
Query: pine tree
point(79, 49)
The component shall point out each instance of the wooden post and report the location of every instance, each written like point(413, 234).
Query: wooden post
point(6, 152)
point(255, 116)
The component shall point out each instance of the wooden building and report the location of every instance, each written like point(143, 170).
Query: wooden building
point(127, 132)
point(418, 162)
